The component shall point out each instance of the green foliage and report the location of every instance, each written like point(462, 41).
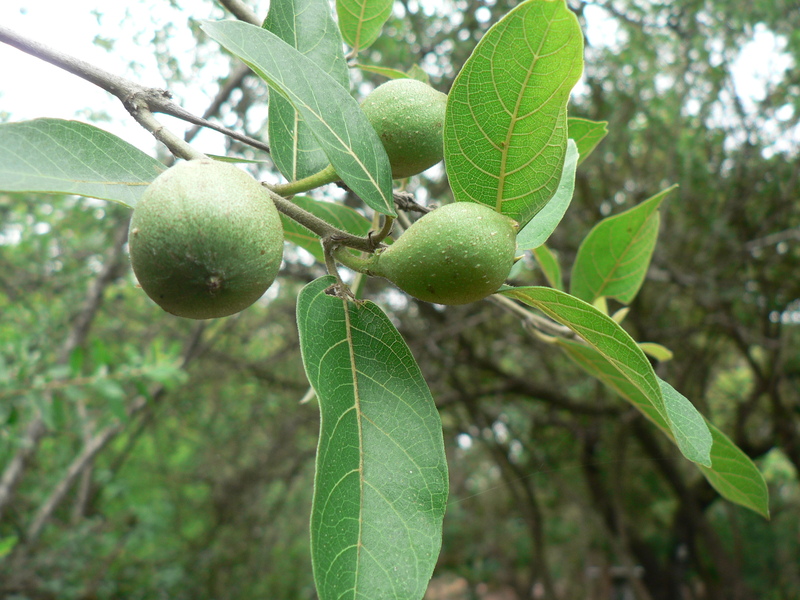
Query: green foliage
point(69, 157)
point(505, 134)
point(544, 223)
point(332, 114)
point(628, 361)
point(612, 261)
point(587, 134)
point(381, 483)
point(201, 483)
point(361, 21)
point(306, 25)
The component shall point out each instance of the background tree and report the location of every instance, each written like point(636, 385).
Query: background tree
point(144, 455)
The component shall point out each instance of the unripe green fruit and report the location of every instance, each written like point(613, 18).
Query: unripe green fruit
point(457, 254)
point(205, 240)
point(408, 116)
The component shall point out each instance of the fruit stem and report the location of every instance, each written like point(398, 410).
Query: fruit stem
point(327, 175)
point(358, 264)
point(388, 223)
point(319, 226)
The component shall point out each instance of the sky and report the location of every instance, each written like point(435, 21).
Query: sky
point(30, 88)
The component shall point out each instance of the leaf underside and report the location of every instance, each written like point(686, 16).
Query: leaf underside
point(70, 157)
point(732, 473)
point(333, 115)
point(308, 26)
point(381, 476)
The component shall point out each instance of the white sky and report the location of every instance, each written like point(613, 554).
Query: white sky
point(30, 88)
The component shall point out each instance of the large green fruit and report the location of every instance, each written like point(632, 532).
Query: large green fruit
point(408, 116)
point(205, 240)
point(457, 254)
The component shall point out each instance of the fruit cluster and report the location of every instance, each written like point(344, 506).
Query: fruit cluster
point(206, 240)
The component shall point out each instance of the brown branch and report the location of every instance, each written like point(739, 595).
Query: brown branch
point(140, 101)
point(241, 11)
point(234, 81)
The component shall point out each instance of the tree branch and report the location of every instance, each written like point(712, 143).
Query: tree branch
point(321, 227)
point(138, 100)
point(241, 11)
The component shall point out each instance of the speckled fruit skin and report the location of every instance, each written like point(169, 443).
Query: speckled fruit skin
point(457, 254)
point(408, 116)
point(205, 240)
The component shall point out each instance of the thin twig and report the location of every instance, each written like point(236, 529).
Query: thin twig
point(321, 227)
point(241, 11)
point(539, 323)
point(138, 100)
point(406, 201)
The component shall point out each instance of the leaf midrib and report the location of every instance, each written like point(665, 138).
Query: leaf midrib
point(504, 150)
point(359, 418)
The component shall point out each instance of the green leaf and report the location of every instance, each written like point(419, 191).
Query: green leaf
point(505, 129)
point(308, 26)
point(612, 260)
point(70, 157)
point(603, 334)
point(606, 336)
point(361, 21)
point(381, 478)
point(587, 134)
point(541, 226)
point(332, 114)
point(688, 425)
point(549, 265)
point(657, 351)
point(735, 476)
point(732, 473)
point(336, 214)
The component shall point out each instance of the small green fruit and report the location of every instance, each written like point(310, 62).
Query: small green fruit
point(205, 240)
point(457, 254)
point(408, 116)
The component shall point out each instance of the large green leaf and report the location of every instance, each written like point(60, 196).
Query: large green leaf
point(613, 259)
point(544, 223)
point(308, 26)
point(332, 114)
point(70, 157)
point(505, 129)
point(732, 473)
point(587, 134)
point(381, 479)
point(336, 214)
point(606, 336)
point(361, 21)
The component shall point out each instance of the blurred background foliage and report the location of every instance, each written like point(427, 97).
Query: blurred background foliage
point(145, 456)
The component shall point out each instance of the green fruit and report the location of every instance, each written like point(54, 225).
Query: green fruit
point(205, 240)
point(408, 116)
point(457, 254)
